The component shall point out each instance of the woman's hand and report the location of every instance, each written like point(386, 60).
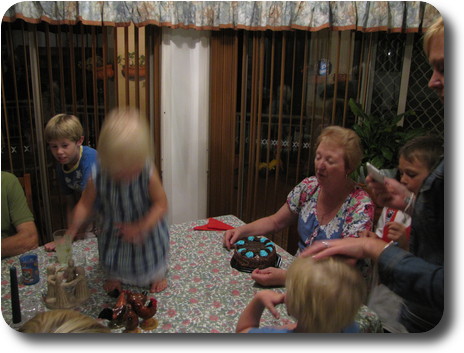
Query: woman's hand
point(269, 277)
point(263, 226)
point(354, 248)
point(231, 236)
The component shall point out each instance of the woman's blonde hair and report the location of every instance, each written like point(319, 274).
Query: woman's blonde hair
point(346, 139)
point(63, 126)
point(437, 28)
point(324, 295)
point(124, 140)
point(63, 321)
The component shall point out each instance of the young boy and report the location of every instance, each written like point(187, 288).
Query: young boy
point(64, 135)
point(323, 296)
point(417, 158)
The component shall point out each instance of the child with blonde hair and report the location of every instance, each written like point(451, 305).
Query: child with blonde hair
point(323, 296)
point(131, 202)
point(65, 137)
point(63, 321)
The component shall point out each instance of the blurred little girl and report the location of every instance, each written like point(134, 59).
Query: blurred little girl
point(126, 191)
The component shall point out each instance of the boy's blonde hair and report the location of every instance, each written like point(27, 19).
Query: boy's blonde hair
point(346, 139)
point(63, 126)
point(324, 295)
point(437, 28)
point(124, 140)
point(63, 321)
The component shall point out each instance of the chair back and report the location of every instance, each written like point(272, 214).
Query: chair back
point(25, 182)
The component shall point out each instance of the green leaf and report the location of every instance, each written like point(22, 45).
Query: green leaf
point(377, 162)
point(381, 136)
point(388, 154)
point(356, 109)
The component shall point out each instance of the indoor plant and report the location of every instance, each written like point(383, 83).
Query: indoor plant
point(129, 69)
point(381, 138)
point(101, 70)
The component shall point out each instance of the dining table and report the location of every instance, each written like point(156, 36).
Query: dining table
point(205, 294)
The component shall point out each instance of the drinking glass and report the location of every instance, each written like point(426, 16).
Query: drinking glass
point(63, 246)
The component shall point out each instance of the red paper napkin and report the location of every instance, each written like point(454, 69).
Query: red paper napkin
point(214, 224)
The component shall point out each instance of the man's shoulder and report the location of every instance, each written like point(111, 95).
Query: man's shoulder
point(9, 180)
point(8, 177)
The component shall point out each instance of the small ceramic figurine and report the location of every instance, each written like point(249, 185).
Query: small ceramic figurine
point(81, 290)
point(131, 320)
point(70, 271)
point(127, 310)
point(61, 297)
point(67, 287)
point(146, 313)
point(123, 315)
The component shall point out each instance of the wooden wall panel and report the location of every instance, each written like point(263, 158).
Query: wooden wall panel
point(222, 122)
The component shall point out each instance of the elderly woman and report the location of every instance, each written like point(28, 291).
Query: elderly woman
point(328, 205)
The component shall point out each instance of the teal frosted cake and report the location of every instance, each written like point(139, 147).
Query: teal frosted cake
point(255, 252)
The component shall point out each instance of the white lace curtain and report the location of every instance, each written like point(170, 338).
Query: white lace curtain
point(368, 16)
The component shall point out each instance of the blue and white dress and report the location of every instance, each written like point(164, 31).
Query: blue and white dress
point(127, 202)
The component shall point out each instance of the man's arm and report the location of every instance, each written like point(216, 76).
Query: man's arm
point(412, 278)
point(26, 238)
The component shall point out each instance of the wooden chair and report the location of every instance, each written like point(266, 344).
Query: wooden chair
point(25, 182)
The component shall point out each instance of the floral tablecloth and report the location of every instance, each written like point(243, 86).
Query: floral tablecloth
point(204, 295)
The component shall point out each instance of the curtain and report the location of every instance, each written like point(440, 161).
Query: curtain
point(185, 121)
point(366, 16)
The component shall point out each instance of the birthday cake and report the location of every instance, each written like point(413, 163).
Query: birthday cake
point(254, 252)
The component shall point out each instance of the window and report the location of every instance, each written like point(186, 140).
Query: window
point(48, 70)
point(280, 89)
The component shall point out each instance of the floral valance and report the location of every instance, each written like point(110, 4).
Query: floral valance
point(366, 16)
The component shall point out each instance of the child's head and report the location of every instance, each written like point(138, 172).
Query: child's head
point(323, 295)
point(63, 321)
point(64, 135)
point(417, 158)
point(63, 126)
point(124, 144)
